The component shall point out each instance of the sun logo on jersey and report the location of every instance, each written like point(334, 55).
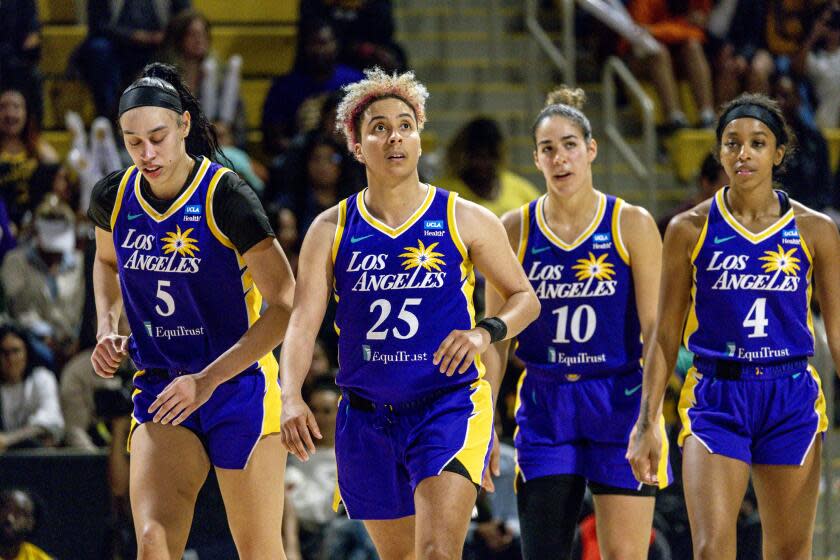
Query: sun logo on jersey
point(780, 260)
point(180, 241)
point(422, 256)
point(593, 267)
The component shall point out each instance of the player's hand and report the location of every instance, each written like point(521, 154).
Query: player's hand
point(180, 398)
point(460, 349)
point(297, 426)
point(494, 468)
point(643, 452)
point(108, 354)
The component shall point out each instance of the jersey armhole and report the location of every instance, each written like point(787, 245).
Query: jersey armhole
point(700, 240)
point(339, 229)
point(115, 212)
point(616, 231)
point(524, 226)
point(453, 227)
point(211, 219)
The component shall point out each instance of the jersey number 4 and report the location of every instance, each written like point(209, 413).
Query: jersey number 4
point(404, 315)
point(757, 319)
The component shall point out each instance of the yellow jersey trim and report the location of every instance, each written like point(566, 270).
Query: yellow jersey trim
point(386, 229)
point(616, 231)
point(516, 406)
point(687, 400)
point(753, 238)
point(339, 229)
point(819, 402)
point(692, 323)
point(590, 229)
point(120, 194)
point(524, 226)
point(467, 269)
point(479, 431)
point(211, 217)
point(180, 201)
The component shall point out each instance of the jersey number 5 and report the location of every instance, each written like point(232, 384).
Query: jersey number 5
point(166, 298)
point(405, 315)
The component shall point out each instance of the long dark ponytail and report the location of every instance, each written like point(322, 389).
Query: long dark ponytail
point(202, 139)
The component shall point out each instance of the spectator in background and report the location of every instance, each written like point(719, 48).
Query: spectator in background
point(806, 175)
point(819, 61)
point(709, 180)
point(365, 31)
point(122, 37)
point(739, 49)
point(475, 169)
point(20, 50)
point(316, 71)
point(7, 237)
point(318, 184)
point(252, 171)
point(26, 161)
point(87, 399)
point(18, 521)
point(311, 484)
point(186, 44)
point(30, 413)
point(44, 282)
point(679, 26)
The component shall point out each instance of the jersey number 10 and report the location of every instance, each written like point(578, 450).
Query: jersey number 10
point(575, 329)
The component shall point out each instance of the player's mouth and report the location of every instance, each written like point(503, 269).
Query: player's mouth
point(561, 176)
point(152, 171)
point(396, 156)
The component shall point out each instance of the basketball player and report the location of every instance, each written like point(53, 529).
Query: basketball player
point(415, 421)
point(738, 275)
point(594, 262)
point(183, 245)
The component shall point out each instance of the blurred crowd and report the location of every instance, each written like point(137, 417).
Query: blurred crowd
point(49, 395)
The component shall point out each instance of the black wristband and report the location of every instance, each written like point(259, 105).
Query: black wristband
point(495, 326)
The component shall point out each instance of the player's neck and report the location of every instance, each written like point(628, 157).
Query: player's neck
point(751, 204)
point(171, 188)
point(394, 203)
point(574, 211)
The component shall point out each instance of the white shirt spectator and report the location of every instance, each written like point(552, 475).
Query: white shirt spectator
point(33, 402)
point(823, 69)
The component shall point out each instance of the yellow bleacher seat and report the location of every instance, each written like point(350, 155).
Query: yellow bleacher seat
point(58, 42)
point(58, 139)
point(57, 11)
point(265, 50)
point(689, 107)
point(832, 136)
point(249, 11)
point(688, 148)
point(253, 94)
point(60, 96)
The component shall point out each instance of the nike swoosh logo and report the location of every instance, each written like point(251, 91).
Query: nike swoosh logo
point(355, 239)
point(134, 216)
point(538, 250)
point(629, 392)
point(795, 375)
point(719, 240)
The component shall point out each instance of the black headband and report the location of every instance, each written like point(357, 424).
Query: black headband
point(758, 112)
point(150, 92)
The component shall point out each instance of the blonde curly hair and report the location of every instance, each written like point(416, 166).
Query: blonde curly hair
point(378, 85)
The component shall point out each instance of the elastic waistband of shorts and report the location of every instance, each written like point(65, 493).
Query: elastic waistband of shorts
point(732, 370)
point(173, 373)
point(552, 375)
point(361, 403)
